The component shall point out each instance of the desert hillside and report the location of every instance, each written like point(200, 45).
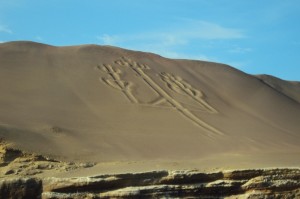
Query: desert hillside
point(289, 88)
point(106, 104)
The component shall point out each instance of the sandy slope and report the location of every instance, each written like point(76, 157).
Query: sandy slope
point(288, 88)
point(106, 104)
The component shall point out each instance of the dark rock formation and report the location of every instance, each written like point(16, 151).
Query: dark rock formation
point(21, 188)
point(262, 183)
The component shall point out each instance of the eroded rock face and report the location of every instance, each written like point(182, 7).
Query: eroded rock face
point(15, 163)
point(21, 188)
point(263, 183)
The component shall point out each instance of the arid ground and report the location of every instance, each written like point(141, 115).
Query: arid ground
point(90, 110)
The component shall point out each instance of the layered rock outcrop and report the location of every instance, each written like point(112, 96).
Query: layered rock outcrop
point(260, 183)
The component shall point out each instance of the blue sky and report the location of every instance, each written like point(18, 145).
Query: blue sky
point(256, 36)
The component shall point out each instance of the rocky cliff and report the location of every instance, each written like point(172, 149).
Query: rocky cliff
point(259, 183)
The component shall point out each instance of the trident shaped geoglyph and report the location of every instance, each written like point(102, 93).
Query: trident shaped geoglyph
point(174, 83)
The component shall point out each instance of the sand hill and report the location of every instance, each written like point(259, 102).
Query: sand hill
point(109, 105)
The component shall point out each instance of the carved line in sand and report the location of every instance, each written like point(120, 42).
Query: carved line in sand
point(115, 81)
point(178, 85)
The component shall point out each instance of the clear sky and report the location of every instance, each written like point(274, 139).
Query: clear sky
point(256, 36)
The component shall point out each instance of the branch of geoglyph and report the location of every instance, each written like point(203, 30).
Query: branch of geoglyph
point(124, 61)
point(180, 86)
point(114, 80)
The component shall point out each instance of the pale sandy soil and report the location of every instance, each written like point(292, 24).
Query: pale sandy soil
point(98, 109)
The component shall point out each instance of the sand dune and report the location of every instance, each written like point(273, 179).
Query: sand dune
point(106, 104)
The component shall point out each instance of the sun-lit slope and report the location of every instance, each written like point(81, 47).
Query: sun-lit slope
point(102, 103)
point(288, 88)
